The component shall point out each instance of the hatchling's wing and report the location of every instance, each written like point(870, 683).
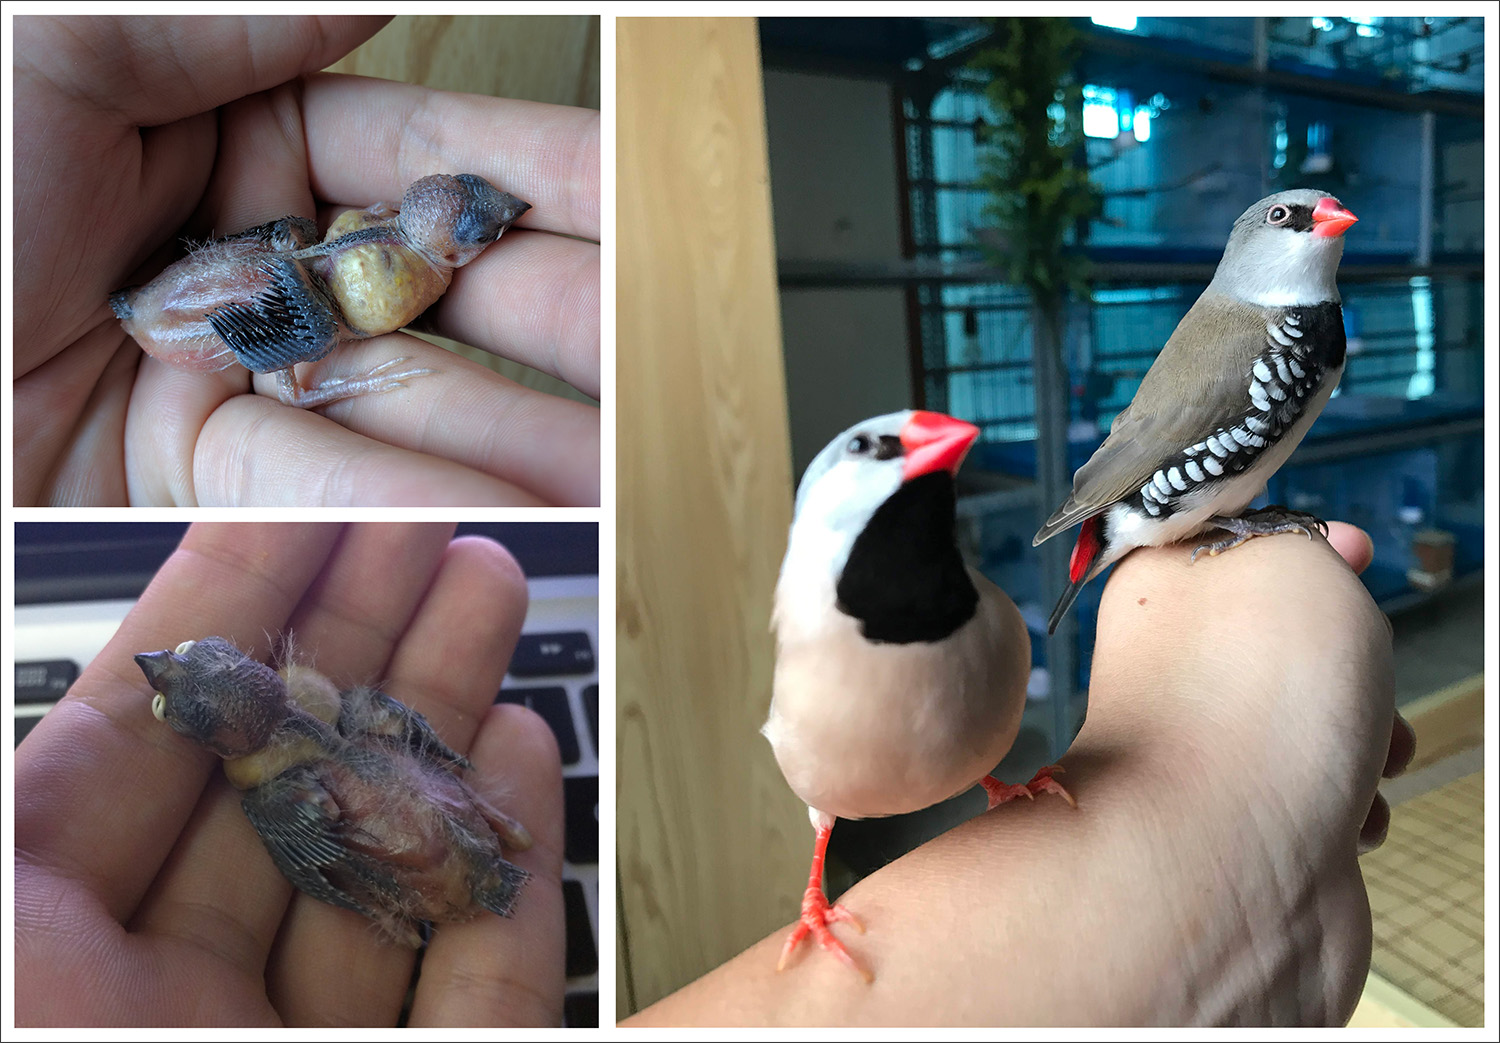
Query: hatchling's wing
point(299, 822)
point(370, 712)
point(290, 320)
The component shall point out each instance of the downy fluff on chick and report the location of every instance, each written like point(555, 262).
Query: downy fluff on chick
point(358, 801)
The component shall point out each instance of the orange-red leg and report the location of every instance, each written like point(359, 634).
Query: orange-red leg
point(1042, 782)
point(817, 913)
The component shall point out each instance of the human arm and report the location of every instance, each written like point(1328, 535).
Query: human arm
point(1241, 712)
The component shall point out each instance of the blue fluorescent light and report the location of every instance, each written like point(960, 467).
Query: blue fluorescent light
point(1116, 22)
point(1142, 125)
point(1100, 120)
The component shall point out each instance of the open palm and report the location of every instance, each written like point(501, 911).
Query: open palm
point(145, 897)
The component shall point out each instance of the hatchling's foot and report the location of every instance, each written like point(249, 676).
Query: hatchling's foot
point(1042, 782)
point(1267, 521)
point(374, 382)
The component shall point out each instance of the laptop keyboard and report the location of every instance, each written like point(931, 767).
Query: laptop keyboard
point(554, 672)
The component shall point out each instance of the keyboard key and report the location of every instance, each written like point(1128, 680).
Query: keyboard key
point(549, 655)
point(44, 681)
point(583, 958)
point(581, 810)
point(581, 1010)
point(591, 708)
point(24, 726)
point(552, 704)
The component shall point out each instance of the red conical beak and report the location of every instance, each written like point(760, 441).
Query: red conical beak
point(935, 442)
point(1331, 219)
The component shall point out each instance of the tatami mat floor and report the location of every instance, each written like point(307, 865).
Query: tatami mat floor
point(1426, 887)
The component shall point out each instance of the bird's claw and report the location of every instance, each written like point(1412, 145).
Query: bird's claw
point(1043, 782)
point(1267, 521)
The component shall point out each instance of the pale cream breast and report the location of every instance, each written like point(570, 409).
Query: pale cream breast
point(863, 730)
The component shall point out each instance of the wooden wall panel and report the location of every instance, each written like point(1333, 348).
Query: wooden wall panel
point(712, 845)
point(536, 57)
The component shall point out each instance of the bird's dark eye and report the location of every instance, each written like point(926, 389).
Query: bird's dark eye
point(1278, 214)
point(860, 444)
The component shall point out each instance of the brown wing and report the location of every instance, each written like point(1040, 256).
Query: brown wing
point(1197, 383)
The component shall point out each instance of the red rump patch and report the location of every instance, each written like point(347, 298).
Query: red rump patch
point(1090, 543)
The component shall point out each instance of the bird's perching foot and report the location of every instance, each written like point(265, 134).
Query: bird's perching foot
point(1043, 782)
point(292, 393)
point(1267, 521)
point(817, 914)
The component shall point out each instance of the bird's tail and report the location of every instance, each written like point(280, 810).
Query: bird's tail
point(1086, 552)
point(499, 887)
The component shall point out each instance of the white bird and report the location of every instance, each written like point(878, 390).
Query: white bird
point(1232, 393)
point(900, 672)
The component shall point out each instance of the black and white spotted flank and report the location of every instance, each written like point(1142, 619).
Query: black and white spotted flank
point(1302, 346)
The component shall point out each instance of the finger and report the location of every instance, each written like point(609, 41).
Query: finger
point(164, 419)
point(535, 302)
point(370, 139)
point(69, 422)
point(253, 450)
point(164, 69)
point(1353, 544)
point(350, 620)
point(259, 174)
point(260, 169)
point(1403, 747)
point(123, 783)
point(542, 448)
point(218, 890)
point(458, 647)
point(493, 970)
point(1377, 823)
point(448, 665)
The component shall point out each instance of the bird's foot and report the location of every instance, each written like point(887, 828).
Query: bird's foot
point(1267, 521)
point(374, 382)
point(1042, 782)
point(817, 915)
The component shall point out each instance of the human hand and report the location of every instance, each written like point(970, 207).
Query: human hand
point(1240, 715)
point(218, 124)
point(145, 897)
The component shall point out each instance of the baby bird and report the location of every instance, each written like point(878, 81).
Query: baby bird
point(358, 801)
point(272, 296)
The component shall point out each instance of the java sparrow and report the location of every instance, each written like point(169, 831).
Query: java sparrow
point(900, 672)
point(358, 801)
point(1239, 382)
point(272, 296)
